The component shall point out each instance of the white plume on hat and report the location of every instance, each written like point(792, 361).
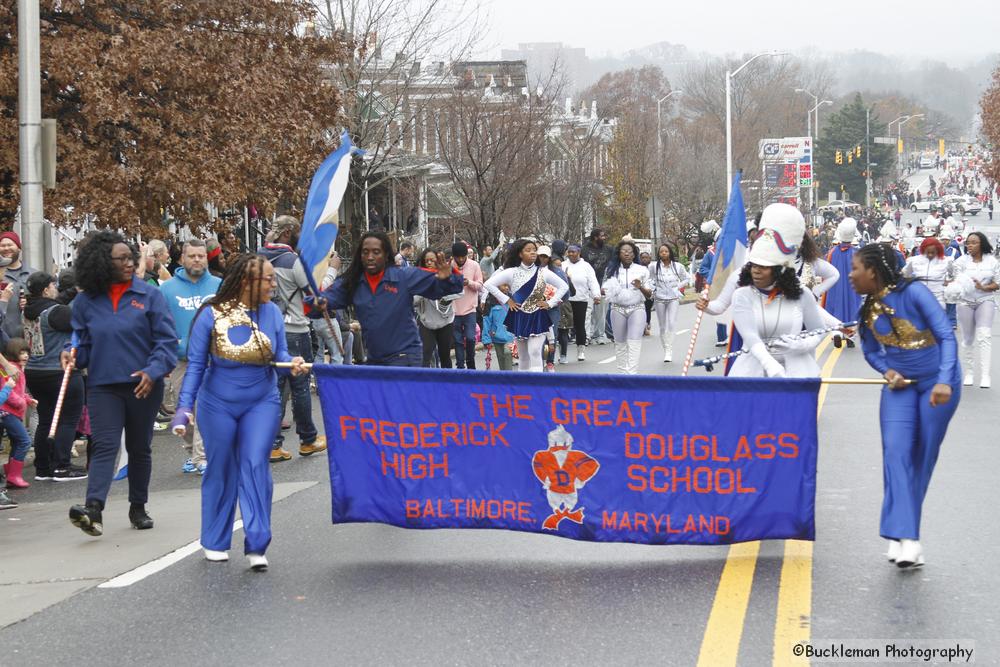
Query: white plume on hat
point(847, 230)
point(782, 228)
point(710, 227)
point(947, 232)
point(888, 231)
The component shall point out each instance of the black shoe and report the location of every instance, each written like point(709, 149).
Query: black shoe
point(68, 474)
point(43, 475)
point(140, 520)
point(87, 518)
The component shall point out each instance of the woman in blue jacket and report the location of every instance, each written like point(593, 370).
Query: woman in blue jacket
point(382, 296)
point(234, 338)
point(905, 335)
point(124, 335)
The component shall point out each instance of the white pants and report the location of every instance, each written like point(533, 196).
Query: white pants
point(628, 327)
point(666, 314)
point(598, 313)
point(975, 316)
point(529, 353)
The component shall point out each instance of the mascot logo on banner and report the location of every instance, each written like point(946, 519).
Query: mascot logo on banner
point(563, 471)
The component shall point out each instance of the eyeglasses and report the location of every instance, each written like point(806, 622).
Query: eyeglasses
point(269, 279)
point(123, 259)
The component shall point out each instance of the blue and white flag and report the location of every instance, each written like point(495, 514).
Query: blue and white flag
point(321, 221)
point(121, 470)
point(731, 246)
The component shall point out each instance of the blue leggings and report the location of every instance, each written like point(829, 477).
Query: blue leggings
point(238, 437)
point(912, 432)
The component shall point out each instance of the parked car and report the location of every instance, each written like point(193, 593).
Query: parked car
point(962, 204)
point(926, 205)
point(836, 205)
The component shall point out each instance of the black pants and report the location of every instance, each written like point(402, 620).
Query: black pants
point(440, 340)
point(44, 387)
point(112, 408)
point(563, 335)
point(580, 321)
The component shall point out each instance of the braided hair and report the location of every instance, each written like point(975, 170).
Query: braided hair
point(880, 258)
point(356, 269)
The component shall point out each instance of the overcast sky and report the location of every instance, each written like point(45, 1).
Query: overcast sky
point(951, 30)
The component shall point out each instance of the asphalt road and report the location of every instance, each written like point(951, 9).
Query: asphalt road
point(371, 594)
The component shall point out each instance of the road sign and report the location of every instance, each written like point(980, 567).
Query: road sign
point(787, 149)
point(885, 140)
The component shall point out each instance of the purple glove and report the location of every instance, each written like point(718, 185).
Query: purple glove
point(179, 424)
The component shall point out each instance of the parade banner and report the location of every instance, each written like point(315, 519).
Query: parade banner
point(654, 460)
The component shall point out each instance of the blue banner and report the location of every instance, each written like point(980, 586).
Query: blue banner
point(654, 460)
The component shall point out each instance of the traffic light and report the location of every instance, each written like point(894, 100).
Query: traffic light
point(850, 158)
point(857, 151)
point(839, 157)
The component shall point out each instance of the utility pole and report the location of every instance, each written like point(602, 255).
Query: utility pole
point(868, 158)
point(29, 112)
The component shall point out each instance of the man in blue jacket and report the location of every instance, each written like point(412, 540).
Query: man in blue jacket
point(382, 296)
point(191, 285)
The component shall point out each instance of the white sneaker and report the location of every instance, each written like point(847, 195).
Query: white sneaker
point(910, 554)
point(967, 380)
point(216, 556)
point(668, 357)
point(893, 552)
point(258, 562)
point(984, 383)
point(581, 354)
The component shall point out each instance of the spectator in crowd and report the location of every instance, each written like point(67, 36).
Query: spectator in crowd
point(125, 338)
point(191, 286)
point(597, 253)
point(48, 328)
point(465, 305)
point(15, 274)
point(291, 287)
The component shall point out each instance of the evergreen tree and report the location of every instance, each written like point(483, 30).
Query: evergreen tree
point(845, 132)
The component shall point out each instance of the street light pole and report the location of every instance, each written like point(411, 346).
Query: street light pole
point(29, 103)
point(729, 117)
point(809, 114)
point(812, 190)
point(899, 135)
point(659, 123)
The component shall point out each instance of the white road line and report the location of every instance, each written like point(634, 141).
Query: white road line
point(154, 566)
point(682, 331)
point(608, 360)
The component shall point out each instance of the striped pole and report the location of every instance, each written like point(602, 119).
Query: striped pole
point(694, 335)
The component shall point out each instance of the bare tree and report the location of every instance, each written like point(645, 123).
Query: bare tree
point(389, 95)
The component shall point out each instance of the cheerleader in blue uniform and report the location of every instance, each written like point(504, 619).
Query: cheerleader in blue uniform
point(234, 338)
point(906, 335)
point(535, 290)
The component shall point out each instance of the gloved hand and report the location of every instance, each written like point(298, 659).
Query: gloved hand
point(179, 424)
point(789, 343)
point(772, 368)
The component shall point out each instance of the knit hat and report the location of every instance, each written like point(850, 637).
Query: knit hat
point(38, 281)
point(213, 248)
point(847, 230)
point(781, 230)
point(459, 249)
point(12, 236)
point(67, 280)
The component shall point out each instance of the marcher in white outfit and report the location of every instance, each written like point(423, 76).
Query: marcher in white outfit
point(979, 270)
point(770, 308)
point(814, 273)
point(528, 318)
point(931, 268)
point(587, 292)
point(627, 287)
point(669, 278)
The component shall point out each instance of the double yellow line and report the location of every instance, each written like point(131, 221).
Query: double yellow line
point(720, 645)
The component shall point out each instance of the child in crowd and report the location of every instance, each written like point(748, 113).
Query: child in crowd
point(13, 410)
point(495, 336)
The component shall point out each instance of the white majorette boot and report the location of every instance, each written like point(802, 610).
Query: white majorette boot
point(667, 340)
point(634, 348)
point(968, 376)
point(581, 352)
point(910, 554)
point(621, 357)
point(984, 336)
point(893, 552)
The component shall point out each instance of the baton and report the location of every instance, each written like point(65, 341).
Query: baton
point(709, 362)
point(62, 395)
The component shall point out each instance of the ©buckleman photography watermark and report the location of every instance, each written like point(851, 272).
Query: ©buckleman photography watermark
point(936, 651)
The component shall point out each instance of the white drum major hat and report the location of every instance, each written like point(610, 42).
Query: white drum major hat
point(709, 227)
point(781, 230)
point(847, 230)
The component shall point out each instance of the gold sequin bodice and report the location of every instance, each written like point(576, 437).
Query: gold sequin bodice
point(537, 296)
point(256, 350)
point(904, 334)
